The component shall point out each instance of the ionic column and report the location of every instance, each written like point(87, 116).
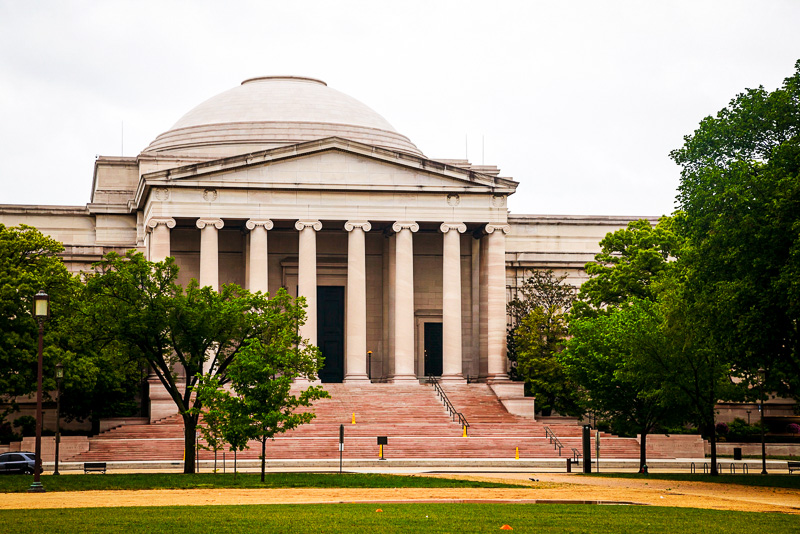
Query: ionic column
point(258, 271)
point(307, 275)
point(161, 403)
point(159, 228)
point(496, 305)
point(355, 360)
point(209, 252)
point(404, 302)
point(451, 300)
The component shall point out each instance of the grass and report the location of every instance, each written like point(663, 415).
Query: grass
point(143, 481)
point(460, 517)
point(753, 479)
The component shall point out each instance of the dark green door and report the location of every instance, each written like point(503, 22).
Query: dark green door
point(330, 332)
point(433, 349)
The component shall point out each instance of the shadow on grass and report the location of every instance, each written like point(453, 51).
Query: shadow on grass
point(771, 481)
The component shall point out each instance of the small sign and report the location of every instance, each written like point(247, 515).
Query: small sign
point(383, 440)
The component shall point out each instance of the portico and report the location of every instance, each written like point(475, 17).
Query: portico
point(395, 274)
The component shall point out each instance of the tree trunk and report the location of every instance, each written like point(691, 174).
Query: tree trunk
point(263, 457)
point(189, 440)
point(235, 464)
point(713, 440)
point(215, 460)
point(643, 451)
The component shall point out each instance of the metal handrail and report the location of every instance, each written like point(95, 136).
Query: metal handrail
point(553, 439)
point(451, 410)
point(576, 455)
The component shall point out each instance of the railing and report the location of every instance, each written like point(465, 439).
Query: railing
point(576, 456)
point(553, 439)
point(451, 410)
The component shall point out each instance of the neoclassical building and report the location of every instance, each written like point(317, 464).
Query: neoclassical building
point(406, 262)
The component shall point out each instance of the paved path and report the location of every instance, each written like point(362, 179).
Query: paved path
point(550, 487)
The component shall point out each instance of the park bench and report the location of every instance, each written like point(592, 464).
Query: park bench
point(94, 467)
point(793, 466)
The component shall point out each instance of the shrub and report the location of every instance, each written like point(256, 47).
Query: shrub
point(793, 428)
point(739, 430)
point(7, 433)
point(26, 424)
point(722, 429)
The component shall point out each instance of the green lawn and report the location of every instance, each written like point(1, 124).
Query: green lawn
point(394, 518)
point(140, 481)
point(753, 479)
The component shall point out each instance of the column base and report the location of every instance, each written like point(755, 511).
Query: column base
point(404, 379)
point(497, 378)
point(362, 379)
point(453, 379)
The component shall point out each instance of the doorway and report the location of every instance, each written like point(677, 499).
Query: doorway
point(433, 349)
point(330, 332)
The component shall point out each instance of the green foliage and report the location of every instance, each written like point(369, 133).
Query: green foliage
point(26, 425)
point(540, 332)
point(137, 305)
point(630, 264)
point(740, 190)
point(260, 403)
point(739, 430)
point(29, 262)
point(613, 358)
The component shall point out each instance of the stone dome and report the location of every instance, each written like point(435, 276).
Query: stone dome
point(273, 111)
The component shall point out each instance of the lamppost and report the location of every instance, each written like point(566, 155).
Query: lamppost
point(761, 378)
point(59, 378)
point(41, 311)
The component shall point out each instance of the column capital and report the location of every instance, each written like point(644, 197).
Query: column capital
point(216, 223)
point(459, 227)
point(252, 223)
point(490, 228)
point(169, 222)
point(301, 224)
point(351, 225)
point(410, 225)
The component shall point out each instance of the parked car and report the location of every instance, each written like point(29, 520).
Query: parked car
point(17, 462)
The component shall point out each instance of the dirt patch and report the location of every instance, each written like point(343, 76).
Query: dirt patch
point(550, 487)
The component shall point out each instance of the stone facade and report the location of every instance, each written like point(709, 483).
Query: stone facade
point(284, 182)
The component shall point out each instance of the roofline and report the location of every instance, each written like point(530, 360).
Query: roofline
point(506, 185)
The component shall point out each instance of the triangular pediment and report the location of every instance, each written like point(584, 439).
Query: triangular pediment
point(330, 164)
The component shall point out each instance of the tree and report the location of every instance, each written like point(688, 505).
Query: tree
point(629, 262)
point(740, 190)
point(182, 333)
point(613, 357)
point(29, 262)
point(651, 268)
point(212, 419)
point(538, 335)
point(261, 379)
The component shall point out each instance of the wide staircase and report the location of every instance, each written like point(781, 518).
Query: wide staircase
point(412, 417)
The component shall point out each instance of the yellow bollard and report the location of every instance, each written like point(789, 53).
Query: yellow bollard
point(516, 457)
point(380, 451)
point(354, 418)
point(465, 432)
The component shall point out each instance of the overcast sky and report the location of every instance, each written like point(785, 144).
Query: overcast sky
point(579, 101)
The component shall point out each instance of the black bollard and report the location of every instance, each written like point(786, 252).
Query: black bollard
point(587, 449)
